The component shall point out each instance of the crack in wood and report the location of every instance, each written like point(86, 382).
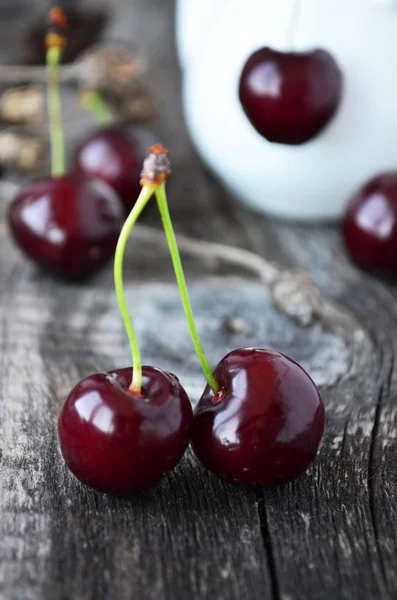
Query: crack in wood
point(373, 472)
point(268, 544)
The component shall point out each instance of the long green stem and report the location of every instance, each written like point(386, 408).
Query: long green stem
point(55, 113)
point(93, 102)
point(144, 197)
point(180, 277)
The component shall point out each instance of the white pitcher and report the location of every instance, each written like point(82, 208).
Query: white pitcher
point(316, 179)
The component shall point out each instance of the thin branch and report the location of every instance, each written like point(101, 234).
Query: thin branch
point(107, 66)
point(293, 294)
point(17, 74)
point(212, 250)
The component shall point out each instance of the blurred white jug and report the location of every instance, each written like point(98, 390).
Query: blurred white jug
point(314, 180)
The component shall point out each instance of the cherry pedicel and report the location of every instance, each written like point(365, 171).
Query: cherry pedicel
point(370, 226)
point(121, 431)
point(290, 97)
point(68, 224)
point(265, 426)
point(110, 153)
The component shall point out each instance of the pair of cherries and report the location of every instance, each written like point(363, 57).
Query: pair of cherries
point(69, 225)
point(259, 421)
point(263, 428)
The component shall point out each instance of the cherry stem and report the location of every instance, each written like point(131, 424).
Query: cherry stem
point(93, 102)
point(55, 112)
point(296, 12)
point(180, 277)
point(144, 197)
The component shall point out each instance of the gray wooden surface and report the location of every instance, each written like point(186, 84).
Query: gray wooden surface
point(329, 535)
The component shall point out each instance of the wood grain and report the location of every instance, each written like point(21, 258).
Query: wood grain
point(330, 534)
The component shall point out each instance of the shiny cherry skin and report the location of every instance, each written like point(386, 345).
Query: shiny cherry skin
point(289, 97)
point(119, 443)
point(265, 426)
point(370, 226)
point(115, 156)
point(69, 226)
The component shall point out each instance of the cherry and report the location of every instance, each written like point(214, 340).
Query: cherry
point(370, 225)
point(115, 156)
point(289, 97)
point(68, 225)
point(117, 442)
point(265, 425)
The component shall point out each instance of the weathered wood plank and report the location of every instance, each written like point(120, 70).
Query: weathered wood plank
point(331, 534)
point(325, 527)
point(61, 540)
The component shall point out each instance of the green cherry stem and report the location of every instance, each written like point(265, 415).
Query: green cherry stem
point(180, 277)
point(144, 197)
point(55, 112)
point(93, 102)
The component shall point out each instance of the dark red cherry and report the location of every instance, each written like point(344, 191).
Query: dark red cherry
point(265, 426)
point(69, 226)
point(115, 156)
point(370, 226)
point(289, 97)
point(116, 442)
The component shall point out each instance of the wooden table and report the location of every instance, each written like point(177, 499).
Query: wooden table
point(329, 535)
